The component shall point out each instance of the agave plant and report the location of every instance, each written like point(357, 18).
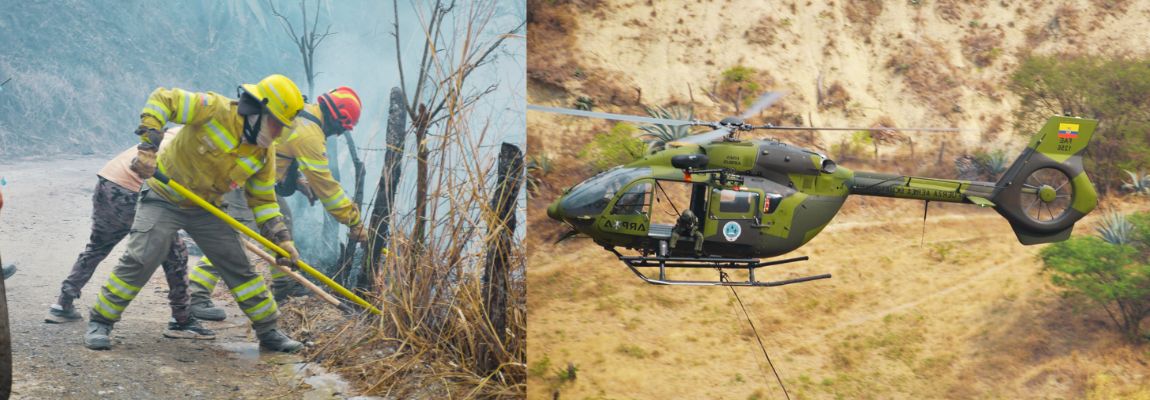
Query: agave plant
point(1139, 183)
point(657, 136)
point(584, 103)
point(1115, 228)
point(991, 164)
point(538, 167)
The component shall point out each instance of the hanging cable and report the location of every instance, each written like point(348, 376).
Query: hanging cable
point(723, 277)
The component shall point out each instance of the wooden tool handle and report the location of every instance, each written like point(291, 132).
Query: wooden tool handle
point(298, 278)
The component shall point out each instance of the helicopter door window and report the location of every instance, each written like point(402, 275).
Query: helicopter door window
point(636, 200)
point(736, 202)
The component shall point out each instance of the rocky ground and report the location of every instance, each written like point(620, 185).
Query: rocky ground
point(43, 227)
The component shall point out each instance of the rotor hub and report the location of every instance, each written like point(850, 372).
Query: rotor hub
point(1047, 193)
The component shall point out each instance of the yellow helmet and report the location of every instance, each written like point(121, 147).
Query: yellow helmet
point(280, 96)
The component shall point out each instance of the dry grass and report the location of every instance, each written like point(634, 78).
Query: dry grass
point(763, 33)
point(435, 331)
point(954, 11)
point(552, 65)
point(550, 30)
point(983, 48)
point(863, 15)
point(439, 334)
point(964, 316)
point(836, 97)
point(926, 70)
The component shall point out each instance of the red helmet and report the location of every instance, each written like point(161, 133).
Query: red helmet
point(343, 104)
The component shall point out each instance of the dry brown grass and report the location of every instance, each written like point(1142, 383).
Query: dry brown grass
point(437, 337)
point(763, 33)
point(836, 96)
point(954, 11)
point(434, 330)
point(863, 14)
point(983, 48)
point(928, 74)
point(550, 29)
point(552, 63)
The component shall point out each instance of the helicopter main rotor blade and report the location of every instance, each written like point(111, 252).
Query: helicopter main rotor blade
point(764, 101)
point(613, 117)
point(704, 138)
point(805, 128)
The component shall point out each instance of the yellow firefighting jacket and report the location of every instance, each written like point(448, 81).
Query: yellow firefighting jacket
point(307, 144)
point(209, 156)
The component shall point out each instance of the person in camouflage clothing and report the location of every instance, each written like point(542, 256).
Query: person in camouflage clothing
point(113, 210)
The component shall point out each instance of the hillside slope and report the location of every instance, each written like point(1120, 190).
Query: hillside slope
point(967, 314)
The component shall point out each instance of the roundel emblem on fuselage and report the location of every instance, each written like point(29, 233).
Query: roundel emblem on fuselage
point(732, 231)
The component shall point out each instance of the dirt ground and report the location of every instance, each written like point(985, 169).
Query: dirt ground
point(43, 227)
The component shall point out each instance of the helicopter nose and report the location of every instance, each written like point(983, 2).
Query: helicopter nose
point(553, 211)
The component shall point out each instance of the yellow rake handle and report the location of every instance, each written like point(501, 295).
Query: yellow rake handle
point(267, 243)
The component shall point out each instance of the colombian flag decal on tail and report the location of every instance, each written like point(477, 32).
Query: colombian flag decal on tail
point(1067, 131)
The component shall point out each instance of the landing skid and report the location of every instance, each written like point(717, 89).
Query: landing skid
point(720, 264)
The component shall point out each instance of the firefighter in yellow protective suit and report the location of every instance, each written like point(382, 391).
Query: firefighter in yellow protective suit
point(225, 144)
point(303, 150)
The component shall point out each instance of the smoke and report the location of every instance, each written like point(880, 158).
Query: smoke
point(362, 54)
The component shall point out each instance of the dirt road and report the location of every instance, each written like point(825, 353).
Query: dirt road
point(43, 227)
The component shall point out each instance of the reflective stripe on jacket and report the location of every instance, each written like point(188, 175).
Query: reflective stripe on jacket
point(208, 156)
point(307, 144)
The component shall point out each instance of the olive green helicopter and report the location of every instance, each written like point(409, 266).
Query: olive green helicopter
point(712, 200)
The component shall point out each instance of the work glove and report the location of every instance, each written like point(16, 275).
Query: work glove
point(291, 261)
point(150, 136)
point(358, 233)
point(276, 230)
point(144, 163)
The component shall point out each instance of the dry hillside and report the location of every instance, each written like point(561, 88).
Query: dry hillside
point(966, 314)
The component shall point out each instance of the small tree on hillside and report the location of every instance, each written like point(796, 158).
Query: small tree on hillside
point(1112, 271)
point(1116, 92)
point(619, 146)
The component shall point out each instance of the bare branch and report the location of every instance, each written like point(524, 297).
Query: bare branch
point(286, 25)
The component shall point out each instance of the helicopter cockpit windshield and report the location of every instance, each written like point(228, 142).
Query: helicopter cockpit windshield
point(591, 197)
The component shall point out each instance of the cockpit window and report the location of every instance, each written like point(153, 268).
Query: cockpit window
point(591, 197)
point(635, 200)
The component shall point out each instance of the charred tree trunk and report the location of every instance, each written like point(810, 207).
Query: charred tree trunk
point(421, 176)
point(498, 265)
point(347, 257)
point(385, 192)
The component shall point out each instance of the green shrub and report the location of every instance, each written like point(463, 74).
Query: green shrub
point(1116, 92)
point(1115, 277)
point(619, 146)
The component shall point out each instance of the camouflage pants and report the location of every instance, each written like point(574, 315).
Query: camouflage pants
point(153, 230)
point(113, 209)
